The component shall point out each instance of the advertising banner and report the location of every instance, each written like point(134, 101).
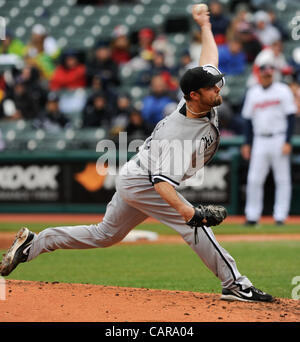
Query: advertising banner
point(79, 182)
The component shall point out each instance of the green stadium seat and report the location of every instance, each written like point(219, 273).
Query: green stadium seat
point(87, 137)
point(289, 46)
point(53, 145)
point(15, 125)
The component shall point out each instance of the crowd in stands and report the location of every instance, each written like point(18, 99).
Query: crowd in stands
point(31, 89)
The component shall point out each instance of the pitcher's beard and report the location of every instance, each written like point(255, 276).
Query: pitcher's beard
point(218, 101)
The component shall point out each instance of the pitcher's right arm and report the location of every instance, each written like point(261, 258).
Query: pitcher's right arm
point(209, 52)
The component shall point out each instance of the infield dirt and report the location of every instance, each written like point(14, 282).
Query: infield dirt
point(59, 302)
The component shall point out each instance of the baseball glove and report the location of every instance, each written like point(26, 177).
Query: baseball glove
point(207, 215)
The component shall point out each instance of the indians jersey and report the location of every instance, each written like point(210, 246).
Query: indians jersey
point(268, 108)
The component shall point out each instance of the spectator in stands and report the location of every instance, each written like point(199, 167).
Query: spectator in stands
point(20, 103)
point(120, 45)
point(232, 59)
point(250, 44)
point(185, 63)
point(103, 65)
point(278, 24)
point(97, 113)
point(195, 46)
point(294, 62)
point(12, 45)
point(156, 102)
point(265, 31)
point(272, 55)
point(70, 74)
point(97, 85)
point(161, 43)
point(32, 80)
point(136, 127)
point(122, 113)
point(41, 41)
point(219, 21)
point(42, 50)
point(2, 98)
point(235, 5)
point(146, 38)
point(51, 118)
point(3, 83)
point(239, 19)
point(157, 67)
point(145, 51)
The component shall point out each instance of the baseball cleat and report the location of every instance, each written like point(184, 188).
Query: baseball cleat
point(18, 251)
point(251, 294)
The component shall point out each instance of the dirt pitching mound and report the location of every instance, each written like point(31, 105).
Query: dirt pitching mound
point(28, 301)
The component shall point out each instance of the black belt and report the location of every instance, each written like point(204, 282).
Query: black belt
point(269, 135)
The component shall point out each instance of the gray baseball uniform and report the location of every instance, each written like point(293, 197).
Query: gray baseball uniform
point(159, 158)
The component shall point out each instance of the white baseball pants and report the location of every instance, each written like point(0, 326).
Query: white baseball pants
point(267, 154)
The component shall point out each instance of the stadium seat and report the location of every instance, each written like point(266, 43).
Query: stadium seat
point(87, 138)
point(81, 27)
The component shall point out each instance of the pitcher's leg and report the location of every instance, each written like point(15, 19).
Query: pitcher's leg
point(215, 257)
point(118, 220)
point(218, 260)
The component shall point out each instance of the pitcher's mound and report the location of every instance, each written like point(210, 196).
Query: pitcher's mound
point(27, 301)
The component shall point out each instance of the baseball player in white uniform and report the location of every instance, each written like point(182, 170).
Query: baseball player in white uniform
point(269, 110)
point(146, 184)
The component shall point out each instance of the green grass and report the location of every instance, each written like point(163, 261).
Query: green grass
point(225, 228)
point(269, 265)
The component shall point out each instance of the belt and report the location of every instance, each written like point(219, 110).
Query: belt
point(269, 135)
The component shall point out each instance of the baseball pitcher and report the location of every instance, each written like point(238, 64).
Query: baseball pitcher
point(180, 145)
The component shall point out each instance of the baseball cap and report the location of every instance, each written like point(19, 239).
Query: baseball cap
point(261, 16)
point(39, 29)
point(146, 33)
point(266, 66)
point(198, 77)
point(120, 30)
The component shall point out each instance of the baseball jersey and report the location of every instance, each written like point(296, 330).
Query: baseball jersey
point(179, 146)
point(268, 108)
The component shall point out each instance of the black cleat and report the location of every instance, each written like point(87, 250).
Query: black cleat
point(18, 251)
point(251, 294)
point(279, 223)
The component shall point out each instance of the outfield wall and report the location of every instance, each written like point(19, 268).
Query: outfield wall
point(67, 181)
